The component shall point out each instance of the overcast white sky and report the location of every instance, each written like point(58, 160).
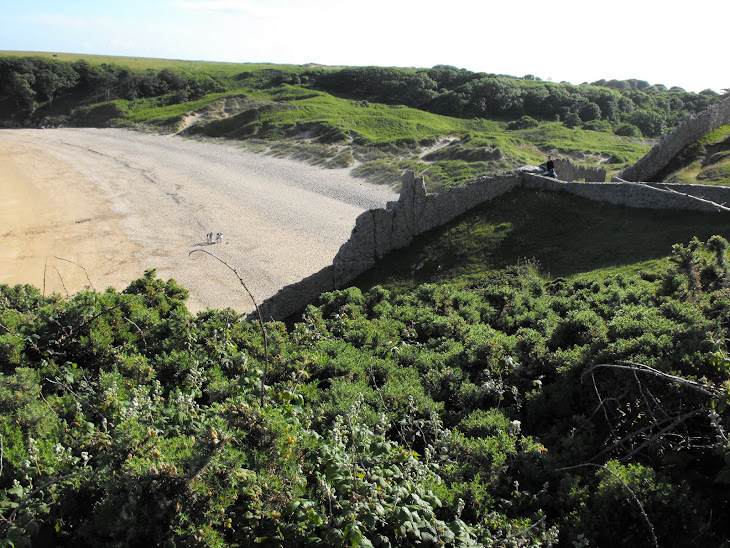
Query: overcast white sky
point(675, 44)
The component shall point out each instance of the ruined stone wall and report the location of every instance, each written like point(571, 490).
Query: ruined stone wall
point(624, 193)
point(380, 231)
point(686, 133)
point(570, 172)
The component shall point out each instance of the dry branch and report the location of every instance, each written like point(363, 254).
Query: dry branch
point(81, 267)
point(705, 389)
point(258, 313)
point(720, 207)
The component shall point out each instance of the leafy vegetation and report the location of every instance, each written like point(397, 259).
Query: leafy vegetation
point(515, 411)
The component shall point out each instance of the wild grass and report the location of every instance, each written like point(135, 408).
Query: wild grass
point(564, 234)
point(399, 134)
point(717, 174)
point(555, 136)
point(720, 134)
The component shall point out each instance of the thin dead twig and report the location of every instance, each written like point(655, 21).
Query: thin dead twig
point(141, 333)
point(602, 406)
point(655, 372)
point(258, 313)
point(663, 431)
point(81, 267)
point(44, 276)
point(720, 207)
point(61, 278)
point(40, 488)
point(520, 533)
point(107, 310)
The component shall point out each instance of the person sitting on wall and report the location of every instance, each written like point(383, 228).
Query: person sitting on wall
point(550, 168)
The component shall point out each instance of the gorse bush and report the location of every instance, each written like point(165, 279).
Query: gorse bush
point(515, 411)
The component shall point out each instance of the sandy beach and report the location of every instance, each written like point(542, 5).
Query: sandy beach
point(117, 202)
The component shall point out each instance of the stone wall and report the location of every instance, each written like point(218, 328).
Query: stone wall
point(628, 194)
point(686, 133)
point(570, 172)
point(380, 231)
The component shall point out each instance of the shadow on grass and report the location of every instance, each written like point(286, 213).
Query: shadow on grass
point(566, 234)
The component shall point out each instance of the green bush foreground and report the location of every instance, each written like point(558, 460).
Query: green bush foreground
point(515, 412)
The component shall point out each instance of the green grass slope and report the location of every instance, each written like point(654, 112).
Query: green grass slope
point(562, 234)
point(705, 162)
point(380, 141)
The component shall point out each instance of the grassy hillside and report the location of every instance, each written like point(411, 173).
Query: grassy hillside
point(705, 162)
point(381, 141)
point(560, 234)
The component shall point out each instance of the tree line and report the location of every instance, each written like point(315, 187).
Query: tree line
point(620, 106)
point(27, 83)
point(29, 86)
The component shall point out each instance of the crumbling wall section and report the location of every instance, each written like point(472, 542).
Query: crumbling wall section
point(625, 193)
point(568, 171)
point(377, 232)
point(380, 231)
point(689, 131)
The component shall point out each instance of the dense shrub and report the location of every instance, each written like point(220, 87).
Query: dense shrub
point(627, 130)
point(449, 415)
point(524, 122)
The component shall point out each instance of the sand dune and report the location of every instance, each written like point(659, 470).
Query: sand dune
point(116, 202)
